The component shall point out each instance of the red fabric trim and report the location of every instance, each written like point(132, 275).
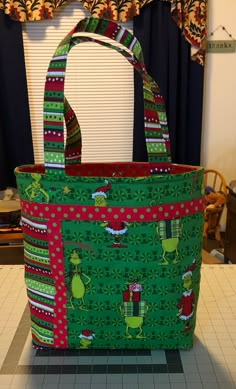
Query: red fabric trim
point(55, 248)
point(106, 169)
point(57, 212)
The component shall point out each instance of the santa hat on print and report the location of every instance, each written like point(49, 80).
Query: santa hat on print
point(101, 191)
point(88, 334)
point(189, 270)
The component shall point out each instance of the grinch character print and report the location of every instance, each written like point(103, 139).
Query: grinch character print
point(169, 232)
point(86, 338)
point(115, 228)
point(187, 302)
point(100, 195)
point(77, 281)
point(133, 309)
point(35, 191)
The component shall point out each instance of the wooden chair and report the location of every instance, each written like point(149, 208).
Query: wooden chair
point(213, 212)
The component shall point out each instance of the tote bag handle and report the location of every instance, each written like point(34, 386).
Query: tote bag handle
point(155, 124)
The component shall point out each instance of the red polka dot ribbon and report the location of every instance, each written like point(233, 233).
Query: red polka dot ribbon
point(55, 248)
point(128, 214)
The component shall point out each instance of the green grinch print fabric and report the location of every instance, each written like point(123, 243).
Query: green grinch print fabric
point(131, 292)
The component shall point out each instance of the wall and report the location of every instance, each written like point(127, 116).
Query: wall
point(219, 124)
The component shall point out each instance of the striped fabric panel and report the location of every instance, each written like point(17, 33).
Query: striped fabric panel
point(73, 138)
point(54, 108)
point(34, 256)
point(41, 336)
point(38, 279)
point(113, 31)
point(41, 303)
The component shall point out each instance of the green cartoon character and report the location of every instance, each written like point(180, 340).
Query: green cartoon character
point(186, 304)
point(115, 228)
point(86, 338)
point(35, 191)
point(133, 309)
point(169, 232)
point(100, 195)
point(76, 285)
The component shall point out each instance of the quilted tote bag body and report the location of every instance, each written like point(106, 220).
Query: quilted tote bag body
point(112, 251)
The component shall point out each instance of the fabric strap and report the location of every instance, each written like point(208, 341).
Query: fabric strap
point(56, 106)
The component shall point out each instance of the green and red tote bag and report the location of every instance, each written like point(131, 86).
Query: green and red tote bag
point(112, 251)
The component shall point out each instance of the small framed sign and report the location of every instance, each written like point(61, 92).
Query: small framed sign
point(220, 46)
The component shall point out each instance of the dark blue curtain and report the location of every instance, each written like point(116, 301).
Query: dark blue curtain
point(167, 59)
point(15, 131)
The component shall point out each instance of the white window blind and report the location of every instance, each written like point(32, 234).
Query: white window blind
point(99, 87)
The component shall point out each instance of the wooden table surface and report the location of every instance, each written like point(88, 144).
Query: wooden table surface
point(209, 259)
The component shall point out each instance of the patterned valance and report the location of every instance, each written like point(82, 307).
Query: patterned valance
point(191, 18)
point(190, 15)
point(30, 10)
